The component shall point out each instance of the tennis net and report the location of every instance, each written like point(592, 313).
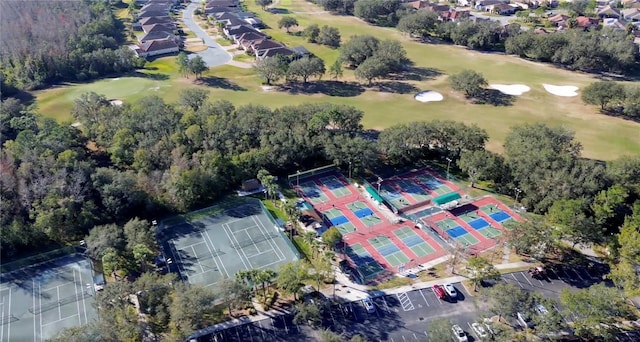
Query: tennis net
point(61, 301)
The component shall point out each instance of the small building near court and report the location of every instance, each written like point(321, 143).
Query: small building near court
point(251, 185)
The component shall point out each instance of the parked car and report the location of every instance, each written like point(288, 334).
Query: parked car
point(524, 321)
point(459, 334)
point(451, 291)
point(438, 290)
point(368, 304)
point(541, 309)
point(480, 330)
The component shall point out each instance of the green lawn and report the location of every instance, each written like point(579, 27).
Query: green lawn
point(603, 137)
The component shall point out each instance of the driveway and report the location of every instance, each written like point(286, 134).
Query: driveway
point(215, 55)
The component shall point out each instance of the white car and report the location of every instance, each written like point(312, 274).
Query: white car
point(459, 334)
point(524, 321)
point(480, 330)
point(368, 304)
point(541, 309)
point(451, 291)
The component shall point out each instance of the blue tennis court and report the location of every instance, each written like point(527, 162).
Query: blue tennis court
point(456, 232)
point(501, 216)
point(412, 240)
point(336, 221)
point(387, 249)
point(478, 224)
point(363, 212)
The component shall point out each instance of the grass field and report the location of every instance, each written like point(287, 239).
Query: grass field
point(603, 137)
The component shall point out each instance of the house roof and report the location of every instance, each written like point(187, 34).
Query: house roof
point(158, 28)
point(502, 6)
point(277, 51)
point(266, 43)
point(417, 4)
point(146, 14)
point(156, 36)
point(155, 20)
point(558, 18)
point(156, 45)
point(156, 7)
point(586, 21)
point(251, 37)
point(608, 10)
point(301, 50)
point(614, 23)
point(439, 8)
point(239, 29)
point(222, 3)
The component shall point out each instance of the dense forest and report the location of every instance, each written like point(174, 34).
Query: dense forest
point(63, 41)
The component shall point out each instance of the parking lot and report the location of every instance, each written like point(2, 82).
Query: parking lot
point(405, 316)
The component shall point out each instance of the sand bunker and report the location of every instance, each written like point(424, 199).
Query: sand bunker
point(565, 91)
point(76, 124)
point(116, 102)
point(429, 96)
point(510, 89)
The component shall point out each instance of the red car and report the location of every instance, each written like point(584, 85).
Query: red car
point(439, 291)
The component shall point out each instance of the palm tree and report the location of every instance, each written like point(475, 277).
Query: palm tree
point(264, 277)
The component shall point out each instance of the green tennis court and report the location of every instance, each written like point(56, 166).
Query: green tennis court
point(414, 190)
point(365, 264)
point(389, 250)
point(312, 192)
point(416, 243)
point(468, 217)
point(455, 231)
point(446, 224)
point(489, 232)
point(332, 213)
point(338, 220)
point(443, 189)
point(393, 196)
point(337, 188)
point(357, 205)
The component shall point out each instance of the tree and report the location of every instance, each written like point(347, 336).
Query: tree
point(265, 277)
point(470, 82)
point(287, 22)
point(312, 32)
point(268, 182)
point(110, 260)
point(439, 330)
point(192, 308)
point(357, 338)
point(183, 64)
point(626, 253)
point(197, 66)
point(327, 335)
point(596, 310)
point(271, 68)
point(480, 269)
point(193, 98)
point(381, 12)
point(358, 49)
point(632, 102)
point(290, 277)
point(603, 93)
point(392, 54)
point(306, 67)
point(264, 3)
point(506, 299)
point(609, 207)
point(332, 237)
point(329, 36)
point(139, 231)
point(235, 293)
point(142, 255)
point(101, 238)
point(371, 69)
point(571, 221)
point(419, 23)
point(481, 164)
point(308, 313)
point(336, 70)
point(533, 237)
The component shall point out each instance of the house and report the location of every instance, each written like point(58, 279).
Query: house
point(301, 51)
point(247, 40)
point(559, 19)
point(502, 9)
point(156, 6)
point(608, 12)
point(221, 3)
point(158, 36)
point(237, 30)
point(614, 23)
point(258, 46)
point(438, 8)
point(214, 10)
point(147, 14)
point(586, 22)
point(278, 51)
point(158, 28)
point(155, 20)
point(630, 14)
point(465, 3)
point(416, 5)
point(454, 15)
point(251, 185)
point(155, 48)
point(482, 4)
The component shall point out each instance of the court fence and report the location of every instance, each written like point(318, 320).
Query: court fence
point(310, 173)
point(279, 229)
point(37, 259)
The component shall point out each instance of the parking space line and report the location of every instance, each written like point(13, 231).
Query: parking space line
point(405, 301)
point(472, 332)
point(385, 304)
point(427, 336)
point(527, 278)
point(423, 297)
point(261, 329)
point(286, 329)
point(578, 274)
point(404, 339)
point(414, 336)
point(514, 278)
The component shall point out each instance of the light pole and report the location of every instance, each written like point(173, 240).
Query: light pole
point(298, 179)
point(518, 191)
point(379, 183)
point(448, 166)
point(350, 181)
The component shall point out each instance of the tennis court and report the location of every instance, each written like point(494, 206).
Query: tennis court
point(417, 245)
point(366, 265)
point(364, 213)
point(455, 231)
point(313, 193)
point(388, 250)
point(500, 216)
point(393, 196)
point(432, 183)
point(336, 186)
point(214, 247)
point(414, 190)
point(338, 220)
point(39, 301)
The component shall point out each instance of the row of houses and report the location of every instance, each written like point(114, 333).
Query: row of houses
point(160, 31)
point(244, 30)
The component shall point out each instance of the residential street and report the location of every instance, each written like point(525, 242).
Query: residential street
point(215, 55)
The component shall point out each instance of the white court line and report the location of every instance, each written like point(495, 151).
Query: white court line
point(214, 246)
point(60, 320)
point(40, 307)
point(229, 237)
point(59, 306)
point(2, 319)
point(75, 289)
point(57, 286)
point(33, 295)
point(181, 264)
point(84, 303)
point(253, 241)
point(212, 255)
point(197, 260)
point(242, 249)
point(269, 240)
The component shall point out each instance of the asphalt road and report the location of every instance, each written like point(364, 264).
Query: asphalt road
point(404, 317)
point(214, 55)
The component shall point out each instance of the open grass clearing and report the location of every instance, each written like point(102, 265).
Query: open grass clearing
point(603, 137)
